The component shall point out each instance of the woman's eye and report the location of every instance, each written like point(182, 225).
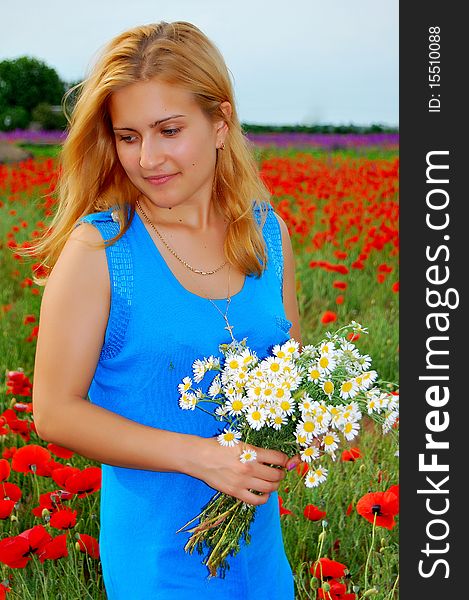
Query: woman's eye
point(171, 132)
point(127, 138)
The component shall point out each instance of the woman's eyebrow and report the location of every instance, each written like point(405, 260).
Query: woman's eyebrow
point(154, 124)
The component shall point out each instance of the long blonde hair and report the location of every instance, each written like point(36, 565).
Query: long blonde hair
point(92, 178)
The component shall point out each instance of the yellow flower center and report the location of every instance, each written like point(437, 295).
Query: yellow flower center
point(323, 362)
point(233, 364)
point(328, 387)
point(229, 437)
point(328, 440)
point(256, 415)
point(285, 405)
point(274, 367)
point(347, 386)
point(280, 393)
point(237, 405)
point(309, 426)
point(314, 374)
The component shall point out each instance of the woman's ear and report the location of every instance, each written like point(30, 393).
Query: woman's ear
point(222, 126)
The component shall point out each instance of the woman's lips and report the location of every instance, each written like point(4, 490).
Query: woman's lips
point(160, 179)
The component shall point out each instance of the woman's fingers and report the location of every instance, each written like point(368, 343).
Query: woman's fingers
point(271, 457)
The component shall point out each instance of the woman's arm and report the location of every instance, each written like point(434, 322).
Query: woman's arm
point(74, 313)
point(290, 301)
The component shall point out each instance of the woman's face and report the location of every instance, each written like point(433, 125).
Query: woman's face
point(165, 143)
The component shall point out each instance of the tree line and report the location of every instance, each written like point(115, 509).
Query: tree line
point(32, 92)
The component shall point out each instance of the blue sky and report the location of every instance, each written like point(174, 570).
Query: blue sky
point(297, 62)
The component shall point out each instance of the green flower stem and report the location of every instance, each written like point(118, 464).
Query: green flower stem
point(370, 551)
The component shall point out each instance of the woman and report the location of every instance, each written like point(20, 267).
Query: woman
point(155, 161)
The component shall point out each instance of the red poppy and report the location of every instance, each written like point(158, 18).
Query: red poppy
point(313, 513)
point(379, 506)
point(31, 459)
point(4, 589)
point(302, 468)
point(88, 544)
point(395, 287)
point(18, 384)
point(394, 489)
point(17, 551)
point(60, 451)
point(325, 567)
point(56, 548)
point(358, 265)
point(52, 501)
point(29, 319)
point(6, 508)
point(339, 299)
point(348, 512)
point(328, 317)
point(65, 518)
point(337, 591)
point(340, 285)
point(381, 277)
point(4, 470)
point(353, 336)
point(10, 491)
point(351, 454)
point(283, 511)
point(86, 482)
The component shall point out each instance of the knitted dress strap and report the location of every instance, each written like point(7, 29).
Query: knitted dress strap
point(119, 259)
point(273, 240)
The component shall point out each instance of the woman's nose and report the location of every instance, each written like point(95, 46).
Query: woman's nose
point(151, 155)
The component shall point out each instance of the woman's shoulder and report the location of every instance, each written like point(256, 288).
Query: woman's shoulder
point(104, 216)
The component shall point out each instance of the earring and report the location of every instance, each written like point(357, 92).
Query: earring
point(222, 147)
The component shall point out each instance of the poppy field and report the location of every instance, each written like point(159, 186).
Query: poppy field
point(340, 203)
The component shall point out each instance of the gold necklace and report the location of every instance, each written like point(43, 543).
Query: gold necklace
point(186, 264)
point(228, 302)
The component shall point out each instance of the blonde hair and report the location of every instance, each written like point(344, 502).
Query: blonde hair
point(92, 178)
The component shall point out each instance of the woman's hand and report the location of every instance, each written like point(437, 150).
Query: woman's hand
point(220, 468)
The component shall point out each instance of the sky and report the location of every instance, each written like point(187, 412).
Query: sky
point(292, 62)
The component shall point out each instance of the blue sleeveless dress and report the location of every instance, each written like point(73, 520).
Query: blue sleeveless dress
point(156, 329)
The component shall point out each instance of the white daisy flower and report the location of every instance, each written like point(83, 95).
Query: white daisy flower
point(330, 442)
point(350, 429)
point(390, 419)
point(326, 363)
point(328, 387)
point(357, 328)
point(236, 405)
point(277, 421)
point(248, 456)
point(185, 386)
point(272, 364)
point(309, 454)
point(212, 363)
point(327, 348)
point(292, 348)
point(215, 387)
point(229, 437)
point(286, 405)
point(187, 401)
point(233, 362)
point(199, 370)
point(315, 476)
point(364, 361)
point(256, 417)
point(369, 377)
point(302, 438)
point(248, 357)
point(348, 389)
point(221, 411)
point(314, 374)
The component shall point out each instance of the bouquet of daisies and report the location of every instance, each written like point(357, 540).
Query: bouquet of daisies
point(305, 401)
